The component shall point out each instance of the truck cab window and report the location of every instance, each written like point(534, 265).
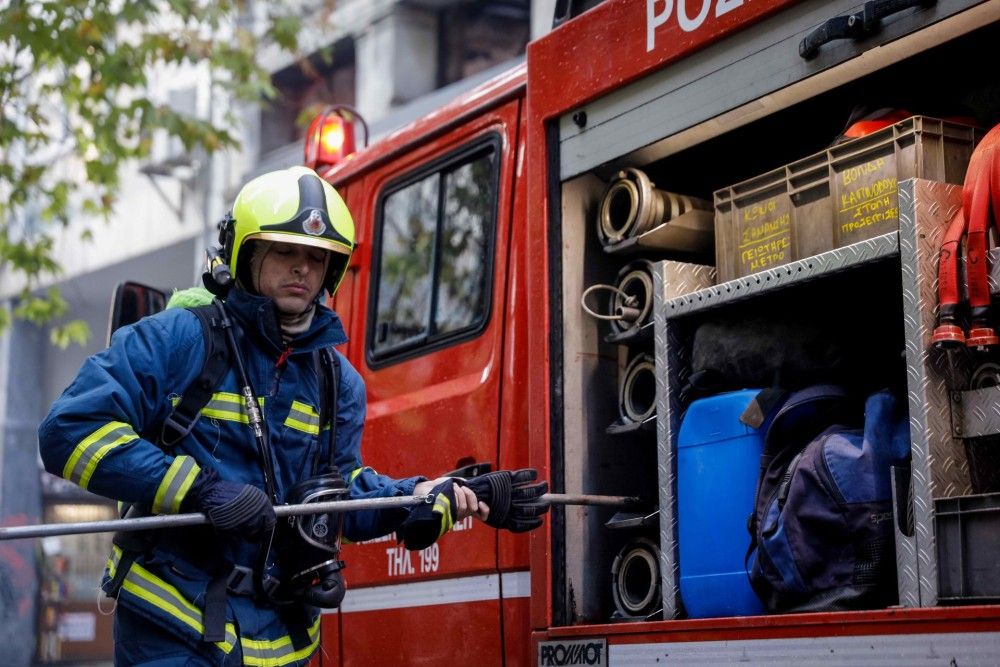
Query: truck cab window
point(433, 252)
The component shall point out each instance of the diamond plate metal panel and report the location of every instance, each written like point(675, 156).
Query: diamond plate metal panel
point(671, 280)
point(939, 467)
point(907, 574)
point(993, 261)
point(977, 412)
point(803, 270)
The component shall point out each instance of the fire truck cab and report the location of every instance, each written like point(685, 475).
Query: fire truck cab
point(478, 233)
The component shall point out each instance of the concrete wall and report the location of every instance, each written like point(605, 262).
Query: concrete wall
point(396, 60)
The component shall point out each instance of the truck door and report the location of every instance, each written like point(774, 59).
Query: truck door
point(428, 330)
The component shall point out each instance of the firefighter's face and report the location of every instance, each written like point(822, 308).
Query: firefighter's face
point(292, 275)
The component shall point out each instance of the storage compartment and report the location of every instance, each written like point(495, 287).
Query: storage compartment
point(862, 301)
point(842, 195)
point(968, 541)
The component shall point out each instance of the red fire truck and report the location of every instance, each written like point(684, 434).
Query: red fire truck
point(479, 229)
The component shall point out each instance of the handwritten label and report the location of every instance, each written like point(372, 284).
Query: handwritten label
point(765, 236)
point(865, 203)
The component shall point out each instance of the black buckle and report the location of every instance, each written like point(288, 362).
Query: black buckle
point(240, 581)
point(178, 424)
point(270, 585)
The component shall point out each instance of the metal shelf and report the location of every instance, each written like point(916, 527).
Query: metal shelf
point(827, 263)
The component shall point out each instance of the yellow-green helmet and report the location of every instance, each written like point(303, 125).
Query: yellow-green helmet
point(291, 206)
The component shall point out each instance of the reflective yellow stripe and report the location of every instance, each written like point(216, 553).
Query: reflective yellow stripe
point(350, 480)
point(303, 417)
point(277, 652)
point(443, 505)
point(112, 564)
point(225, 405)
point(85, 457)
point(145, 585)
point(180, 475)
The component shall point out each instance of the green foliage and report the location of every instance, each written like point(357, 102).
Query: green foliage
point(75, 80)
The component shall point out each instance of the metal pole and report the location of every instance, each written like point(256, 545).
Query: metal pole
point(599, 501)
point(197, 519)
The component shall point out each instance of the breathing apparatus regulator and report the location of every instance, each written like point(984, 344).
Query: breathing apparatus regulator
point(309, 546)
point(291, 206)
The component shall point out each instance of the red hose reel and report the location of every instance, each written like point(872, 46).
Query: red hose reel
point(980, 211)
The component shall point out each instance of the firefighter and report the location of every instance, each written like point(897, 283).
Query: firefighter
point(215, 594)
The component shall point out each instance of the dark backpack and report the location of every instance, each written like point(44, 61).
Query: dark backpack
point(822, 530)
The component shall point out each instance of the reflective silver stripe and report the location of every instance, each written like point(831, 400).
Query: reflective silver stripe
point(85, 457)
point(180, 475)
point(113, 560)
point(515, 585)
point(227, 406)
point(303, 417)
point(439, 591)
point(276, 652)
point(146, 586)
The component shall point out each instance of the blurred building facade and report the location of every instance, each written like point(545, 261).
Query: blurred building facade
point(394, 61)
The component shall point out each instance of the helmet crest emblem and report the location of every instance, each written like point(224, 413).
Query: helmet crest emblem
point(314, 224)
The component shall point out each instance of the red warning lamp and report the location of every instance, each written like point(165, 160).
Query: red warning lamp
point(330, 137)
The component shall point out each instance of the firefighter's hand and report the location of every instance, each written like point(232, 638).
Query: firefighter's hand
point(466, 503)
point(515, 497)
point(232, 507)
point(449, 502)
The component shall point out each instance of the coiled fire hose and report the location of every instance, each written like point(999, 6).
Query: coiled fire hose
point(633, 205)
point(631, 302)
point(637, 393)
point(635, 579)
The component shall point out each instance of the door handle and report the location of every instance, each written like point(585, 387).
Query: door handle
point(470, 470)
point(856, 25)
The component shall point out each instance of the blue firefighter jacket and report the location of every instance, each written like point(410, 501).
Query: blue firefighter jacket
point(102, 433)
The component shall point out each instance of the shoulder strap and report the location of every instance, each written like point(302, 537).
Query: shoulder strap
point(328, 372)
point(185, 414)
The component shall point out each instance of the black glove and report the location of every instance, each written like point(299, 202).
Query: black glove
point(513, 501)
point(427, 522)
point(232, 507)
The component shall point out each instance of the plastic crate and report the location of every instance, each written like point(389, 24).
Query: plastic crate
point(967, 531)
point(839, 196)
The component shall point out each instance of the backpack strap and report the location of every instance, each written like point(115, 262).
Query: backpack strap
point(185, 414)
point(328, 371)
point(177, 424)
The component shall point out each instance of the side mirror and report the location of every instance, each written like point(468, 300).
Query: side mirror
point(132, 302)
